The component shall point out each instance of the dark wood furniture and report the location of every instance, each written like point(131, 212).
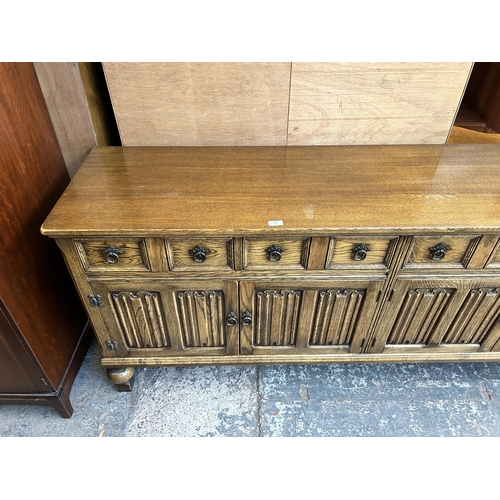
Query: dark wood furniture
point(330, 254)
point(482, 94)
point(44, 332)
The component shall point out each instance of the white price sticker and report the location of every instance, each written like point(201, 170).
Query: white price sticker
point(275, 222)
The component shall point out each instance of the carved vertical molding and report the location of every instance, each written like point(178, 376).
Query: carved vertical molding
point(476, 316)
point(202, 318)
point(276, 317)
point(419, 315)
point(336, 315)
point(141, 319)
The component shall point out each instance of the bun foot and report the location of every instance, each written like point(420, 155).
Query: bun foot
point(122, 377)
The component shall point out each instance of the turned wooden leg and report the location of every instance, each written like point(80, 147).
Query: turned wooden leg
point(122, 377)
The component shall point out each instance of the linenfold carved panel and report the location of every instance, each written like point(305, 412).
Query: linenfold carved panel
point(476, 316)
point(336, 314)
point(276, 314)
point(423, 315)
point(333, 319)
point(201, 318)
point(419, 315)
point(140, 317)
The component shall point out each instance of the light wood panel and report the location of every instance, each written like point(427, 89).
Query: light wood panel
point(66, 102)
point(374, 103)
point(200, 104)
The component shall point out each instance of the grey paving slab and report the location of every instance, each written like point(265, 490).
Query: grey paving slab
point(195, 401)
point(455, 399)
point(369, 418)
point(381, 381)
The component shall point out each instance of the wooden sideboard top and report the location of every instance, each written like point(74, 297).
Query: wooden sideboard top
point(236, 190)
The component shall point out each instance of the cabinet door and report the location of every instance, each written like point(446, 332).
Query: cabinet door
point(446, 314)
point(321, 316)
point(159, 318)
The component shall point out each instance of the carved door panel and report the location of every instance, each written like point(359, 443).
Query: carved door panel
point(159, 318)
point(306, 317)
point(449, 314)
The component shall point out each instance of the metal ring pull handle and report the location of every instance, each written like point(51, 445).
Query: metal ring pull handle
point(199, 253)
point(274, 252)
point(246, 318)
point(231, 319)
point(359, 251)
point(112, 254)
point(438, 252)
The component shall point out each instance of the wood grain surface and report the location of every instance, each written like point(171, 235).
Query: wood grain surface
point(374, 103)
point(293, 256)
point(219, 258)
point(340, 252)
point(460, 135)
point(64, 94)
point(200, 104)
point(133, 256)
point(456, 256)
point(313, 190)
point(34, 283)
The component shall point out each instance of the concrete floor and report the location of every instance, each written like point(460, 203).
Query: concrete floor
point(448, 399)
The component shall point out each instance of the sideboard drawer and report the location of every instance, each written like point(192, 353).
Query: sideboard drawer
point(200, 254)
point(110, 254)
point(371, 252)
point(275, 253)
point(442, 251)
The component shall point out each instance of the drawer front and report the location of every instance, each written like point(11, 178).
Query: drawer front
point(276, 253)
point(112, 254)
point(370, 252)
point(442, 251)
point(200, 254)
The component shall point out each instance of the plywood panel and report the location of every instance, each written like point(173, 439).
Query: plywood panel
point(66, 102)
point(200, 104)
point(374, 103)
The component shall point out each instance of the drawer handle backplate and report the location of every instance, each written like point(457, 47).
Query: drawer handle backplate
point(246, 318)
point(231, 319)
point(199, 253)
point(438, 252)
point(274, 252)
point(112, 254)
point(359, 251)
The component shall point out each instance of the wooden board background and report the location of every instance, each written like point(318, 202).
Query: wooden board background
point(265, 104)
point(202, 104)
point(67, 104)
point(374, 103)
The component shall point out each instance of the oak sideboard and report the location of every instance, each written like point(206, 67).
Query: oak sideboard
point(321, 254)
